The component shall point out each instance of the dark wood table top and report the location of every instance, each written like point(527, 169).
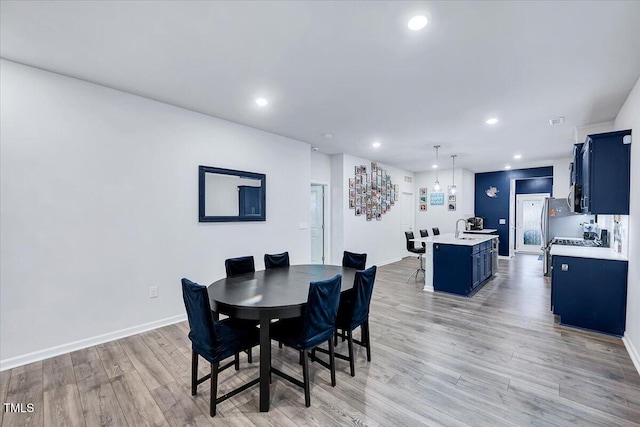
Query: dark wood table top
point(278, 292)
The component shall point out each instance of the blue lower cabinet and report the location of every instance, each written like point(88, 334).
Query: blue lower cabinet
point(590, 293)
point(459, 269)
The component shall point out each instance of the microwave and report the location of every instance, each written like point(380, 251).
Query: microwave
point(575, 198)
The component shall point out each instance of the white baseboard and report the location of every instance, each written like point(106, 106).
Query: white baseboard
point(36, 356)
point(633, 353)
point(388, 262)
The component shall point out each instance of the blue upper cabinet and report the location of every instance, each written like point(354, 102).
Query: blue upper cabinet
point(606, 165)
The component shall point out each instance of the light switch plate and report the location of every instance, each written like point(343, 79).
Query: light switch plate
point(565, 267)
point(303, 226)
point(503, 221)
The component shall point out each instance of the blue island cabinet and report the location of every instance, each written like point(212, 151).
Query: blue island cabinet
point(461, 269)
point(590, 293)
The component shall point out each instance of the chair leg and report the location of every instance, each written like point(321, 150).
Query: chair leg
point(335, 337)
point(214, 388)
point(367, 339)
point(350, 344)
point(249, 355)
point(332, 363)
point(194, 373)
point(237, 361)
point(305, 376)
point(279, 344)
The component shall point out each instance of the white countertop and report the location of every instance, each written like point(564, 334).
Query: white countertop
point(483, 231)
point(450, 239)
point(586, 252)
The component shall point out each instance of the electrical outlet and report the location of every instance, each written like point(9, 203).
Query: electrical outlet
point(153, 292)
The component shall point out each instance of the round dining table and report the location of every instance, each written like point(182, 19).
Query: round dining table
point(278, 293)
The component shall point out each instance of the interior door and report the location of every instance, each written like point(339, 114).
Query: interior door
point(528, 222)
point(317, 224)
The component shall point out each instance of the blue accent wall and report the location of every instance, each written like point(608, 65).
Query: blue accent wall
point(534, 185)
point(492, 209)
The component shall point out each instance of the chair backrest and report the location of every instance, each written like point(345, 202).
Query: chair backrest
point(353, 260)
point(276, 260)
point(362, 291)
point(321, 311)
point(436, 231)
point(409, 235)
point(241, 265)
point(424, 233)
point(202, 332)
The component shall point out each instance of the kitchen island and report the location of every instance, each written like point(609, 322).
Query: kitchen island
point(459, 265)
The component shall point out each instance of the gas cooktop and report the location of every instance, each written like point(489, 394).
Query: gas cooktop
point(571, 242)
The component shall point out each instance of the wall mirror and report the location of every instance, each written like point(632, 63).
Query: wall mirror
point(227, 195)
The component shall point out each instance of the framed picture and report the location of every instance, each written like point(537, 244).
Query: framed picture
point(358, 210)
point(352, 193)
point(452, 197)
point(423, 207)
point(452, 206)
point(352, 183)
point(423, 199)
point(423, 191)
point(436, 199)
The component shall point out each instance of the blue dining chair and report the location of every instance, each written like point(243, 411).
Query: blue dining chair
point(354, 260)
point(353, 311)
point(276, 260)
point(240, 265)
point(215, 341)
point(316, 326)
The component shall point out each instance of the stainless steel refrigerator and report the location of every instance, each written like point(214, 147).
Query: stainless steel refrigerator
point(558, 221)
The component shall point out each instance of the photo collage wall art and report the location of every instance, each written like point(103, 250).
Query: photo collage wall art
point(372, 194)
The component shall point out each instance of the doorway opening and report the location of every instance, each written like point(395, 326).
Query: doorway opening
point(529, 222)
point(318, 229)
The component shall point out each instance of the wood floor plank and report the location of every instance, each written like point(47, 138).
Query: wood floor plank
point(151, 370)
point(61, 396)
point(114, 359)
point(178, 407)
point(25, 387)
point(62, 407)
point(5, 376)
point(99, 403)
point(497, 358)
point(138, 406)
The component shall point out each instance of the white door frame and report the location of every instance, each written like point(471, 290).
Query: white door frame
point(519, 198)
point(326, 219)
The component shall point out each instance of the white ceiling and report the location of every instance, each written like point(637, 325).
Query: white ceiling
point(354, 70)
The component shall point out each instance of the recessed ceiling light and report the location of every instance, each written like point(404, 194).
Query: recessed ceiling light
point(434, 166)
point(517, 156)
point(417, 22)
point(262, 101)
point(492, 121)
point(376, 144)
point(556, 121)
point(314, 148)
point(327, 135)
point(507, 167)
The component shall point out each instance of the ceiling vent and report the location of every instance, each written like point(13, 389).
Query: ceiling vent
point(408, 179)
point(556, 121)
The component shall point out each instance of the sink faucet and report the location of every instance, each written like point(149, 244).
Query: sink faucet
point(464, 226)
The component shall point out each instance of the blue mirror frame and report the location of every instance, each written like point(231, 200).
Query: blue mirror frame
point(260, 197)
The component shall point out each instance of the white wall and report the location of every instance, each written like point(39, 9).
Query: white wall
point(383, 241)
point(441, 216)
point(99, 196)
point(561, 186)
point(629, 118)
point(320, 168)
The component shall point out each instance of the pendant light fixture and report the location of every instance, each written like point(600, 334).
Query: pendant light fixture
point(436, 185)
point(453, 190)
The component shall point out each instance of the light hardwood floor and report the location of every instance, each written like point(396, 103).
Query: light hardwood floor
point(494, 359)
